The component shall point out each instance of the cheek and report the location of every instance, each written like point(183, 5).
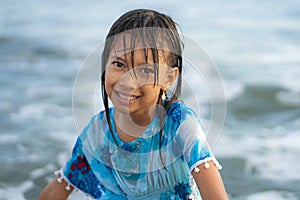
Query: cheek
point(151, 92)
point(110, 82)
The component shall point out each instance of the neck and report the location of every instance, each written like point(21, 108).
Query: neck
point(128, 122)
point(131, 126)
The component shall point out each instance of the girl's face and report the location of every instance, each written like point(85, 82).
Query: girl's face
point(132, 89)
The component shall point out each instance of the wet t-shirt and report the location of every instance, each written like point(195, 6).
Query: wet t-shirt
point(156, 165)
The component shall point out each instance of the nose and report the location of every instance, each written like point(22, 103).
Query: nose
point(128, 81)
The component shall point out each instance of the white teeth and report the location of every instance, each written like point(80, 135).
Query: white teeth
point(128, 98)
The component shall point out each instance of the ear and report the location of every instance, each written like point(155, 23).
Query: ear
point(171, 76)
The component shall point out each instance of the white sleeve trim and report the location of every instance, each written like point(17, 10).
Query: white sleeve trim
point(205, 160)
point(69, 184)
point(63, 177)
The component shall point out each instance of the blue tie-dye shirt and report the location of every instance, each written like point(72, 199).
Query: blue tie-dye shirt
point(143, 168)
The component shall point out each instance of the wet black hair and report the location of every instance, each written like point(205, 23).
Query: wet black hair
point(152, 27)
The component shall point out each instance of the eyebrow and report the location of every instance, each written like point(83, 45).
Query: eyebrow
point(125, 50)
point(118, 58)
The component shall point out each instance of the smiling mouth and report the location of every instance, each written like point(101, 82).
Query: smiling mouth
point(125, 98)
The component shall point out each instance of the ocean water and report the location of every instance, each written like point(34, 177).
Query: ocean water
point(254, 44)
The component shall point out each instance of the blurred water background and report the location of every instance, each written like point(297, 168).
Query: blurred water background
point(255, 45)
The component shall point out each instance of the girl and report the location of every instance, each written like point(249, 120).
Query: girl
point(148, 145)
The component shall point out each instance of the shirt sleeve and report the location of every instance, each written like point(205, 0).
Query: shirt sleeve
point(190, 138)
point(196, 150)
point(78, 173)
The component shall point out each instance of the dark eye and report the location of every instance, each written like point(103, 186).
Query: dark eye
point(146, 70)
point(118, 64)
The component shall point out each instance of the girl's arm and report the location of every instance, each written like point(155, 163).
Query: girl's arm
point(209, 182)
point(56, 191)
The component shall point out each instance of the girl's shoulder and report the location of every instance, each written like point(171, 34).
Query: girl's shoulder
point(97, 122)
point(179, 111)
point(101, 115)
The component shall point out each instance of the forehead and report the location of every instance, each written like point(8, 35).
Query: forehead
point(127, 44)
point(140, 38)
